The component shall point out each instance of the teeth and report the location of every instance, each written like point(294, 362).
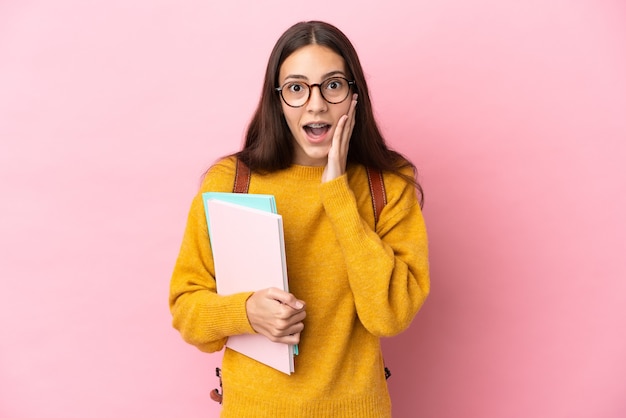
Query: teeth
point(316, 125)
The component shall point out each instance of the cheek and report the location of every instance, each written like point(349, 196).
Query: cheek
point(291, 116)
point(342, 109)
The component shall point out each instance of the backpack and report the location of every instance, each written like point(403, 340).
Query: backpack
point(379, 200)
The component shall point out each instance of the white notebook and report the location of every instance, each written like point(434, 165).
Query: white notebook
point(249, 255)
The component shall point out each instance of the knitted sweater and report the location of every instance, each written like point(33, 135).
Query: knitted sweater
point(358, 285)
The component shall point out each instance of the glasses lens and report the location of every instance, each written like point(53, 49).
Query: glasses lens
point(335, 90)
point(295, 93)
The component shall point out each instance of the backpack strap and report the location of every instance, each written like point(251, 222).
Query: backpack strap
point(242, 177)
point(374, 178)
point(377, 191)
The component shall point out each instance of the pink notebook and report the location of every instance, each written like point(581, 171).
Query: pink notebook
point(249, 255)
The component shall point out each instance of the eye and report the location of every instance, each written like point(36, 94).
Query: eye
point(334, 84)
point(295, 88)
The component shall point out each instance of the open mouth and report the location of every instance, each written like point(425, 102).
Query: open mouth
point(316, 130)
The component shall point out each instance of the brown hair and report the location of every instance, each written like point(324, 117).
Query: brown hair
point(269, 144)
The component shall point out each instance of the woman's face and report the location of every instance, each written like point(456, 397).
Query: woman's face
point(313, 124)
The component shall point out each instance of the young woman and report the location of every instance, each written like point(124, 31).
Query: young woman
point(352, 279)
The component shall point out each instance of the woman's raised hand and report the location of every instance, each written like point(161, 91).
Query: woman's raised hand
point(276, 314)
point(338, 153)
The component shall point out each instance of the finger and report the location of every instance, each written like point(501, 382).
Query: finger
point(289, 325)
point(285, 298)
point(292, 339)
point(352, 110)
point(286, 327)
point(339, 137)
point(293, 317)
point(348, 125)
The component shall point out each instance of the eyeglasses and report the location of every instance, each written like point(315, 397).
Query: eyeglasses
point(334, 90)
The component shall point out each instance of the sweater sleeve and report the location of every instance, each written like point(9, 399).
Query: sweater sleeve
point(204, 318)
point(388, 269)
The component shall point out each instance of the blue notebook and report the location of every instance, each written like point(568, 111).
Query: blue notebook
point(265, 202)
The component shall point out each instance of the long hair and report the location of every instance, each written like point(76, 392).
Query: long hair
point(269, 144)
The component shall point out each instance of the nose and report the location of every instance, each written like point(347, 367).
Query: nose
point(316, 102)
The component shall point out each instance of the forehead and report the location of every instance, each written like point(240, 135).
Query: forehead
point(312, 62)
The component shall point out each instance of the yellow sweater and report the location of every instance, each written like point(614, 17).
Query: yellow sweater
point(358, 285)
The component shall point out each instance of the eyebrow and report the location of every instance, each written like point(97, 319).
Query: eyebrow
point(324, 77)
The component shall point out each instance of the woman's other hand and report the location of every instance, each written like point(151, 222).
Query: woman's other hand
point(338, 153)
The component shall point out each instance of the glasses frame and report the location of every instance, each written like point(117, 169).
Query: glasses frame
point(319, 86)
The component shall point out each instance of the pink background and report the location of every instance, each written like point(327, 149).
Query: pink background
point(514, 111)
